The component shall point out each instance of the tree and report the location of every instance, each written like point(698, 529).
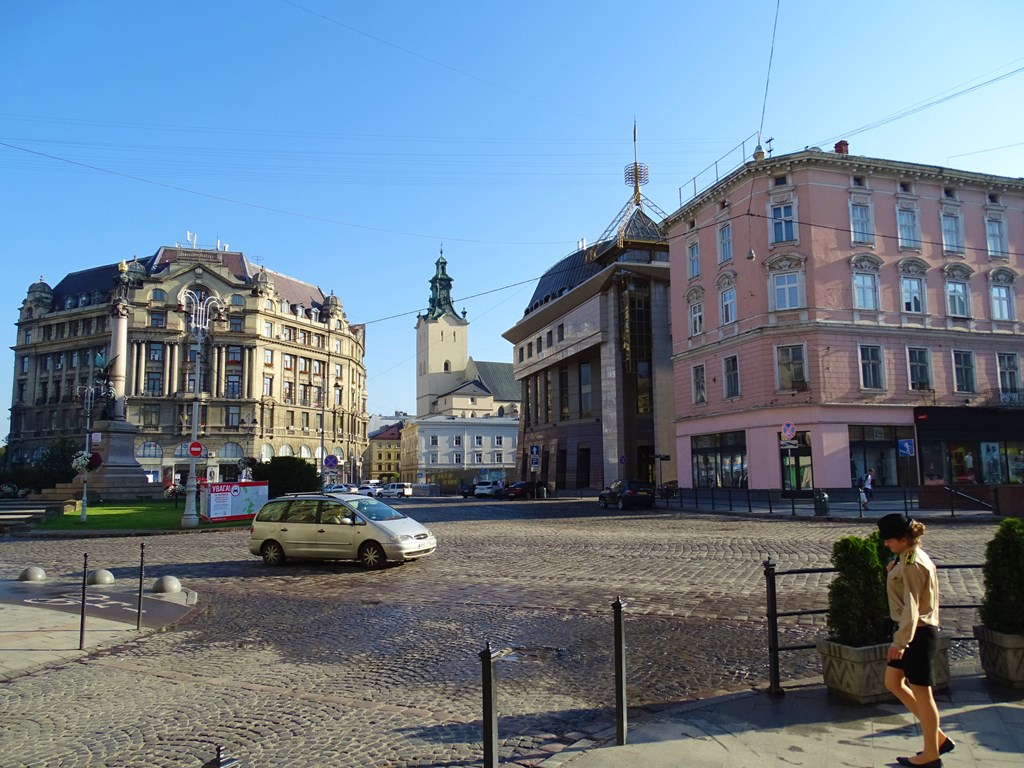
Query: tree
point(55, 465)
point(287, 474)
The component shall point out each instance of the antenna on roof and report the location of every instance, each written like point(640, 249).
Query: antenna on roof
point(636, 174)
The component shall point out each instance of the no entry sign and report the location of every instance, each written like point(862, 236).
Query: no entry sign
point(195, 449)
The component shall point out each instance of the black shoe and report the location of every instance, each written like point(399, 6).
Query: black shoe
point(933, 764)
point(945, 747)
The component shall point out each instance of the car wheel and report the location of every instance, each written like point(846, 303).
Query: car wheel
point(371, 555)
point(622, 504)
point(273, 553)
point(603, 502)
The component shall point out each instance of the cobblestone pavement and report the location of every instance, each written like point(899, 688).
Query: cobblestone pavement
point(314, 664)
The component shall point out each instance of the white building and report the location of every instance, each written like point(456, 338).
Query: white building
point(450, 451)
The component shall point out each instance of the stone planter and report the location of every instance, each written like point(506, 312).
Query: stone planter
point(1002, 656)
point(858, 674)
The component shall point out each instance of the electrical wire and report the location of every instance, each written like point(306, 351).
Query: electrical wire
point(768, 75)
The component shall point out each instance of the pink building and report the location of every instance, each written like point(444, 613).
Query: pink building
point(868, 304)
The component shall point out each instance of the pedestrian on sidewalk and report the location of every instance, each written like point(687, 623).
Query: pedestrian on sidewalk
point(866, 487)
point(913, 591)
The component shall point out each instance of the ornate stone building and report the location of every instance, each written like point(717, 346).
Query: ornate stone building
point(281, 372)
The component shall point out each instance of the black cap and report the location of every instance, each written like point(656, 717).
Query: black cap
point(894, 526)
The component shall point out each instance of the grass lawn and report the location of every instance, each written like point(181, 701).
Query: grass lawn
point(130, 516)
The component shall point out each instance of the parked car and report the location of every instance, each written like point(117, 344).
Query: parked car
point(396, 490)
point(627, 493)
point(486, 488)
point(468, 490)
point(369, 490)
point(337, 527)
point(520, 490)
point(341, 488)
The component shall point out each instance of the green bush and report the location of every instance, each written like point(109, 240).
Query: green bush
point(1002, 607)
point(858, 610)
point(287, 474)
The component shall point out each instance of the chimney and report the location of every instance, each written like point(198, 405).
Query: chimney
point(842, 147)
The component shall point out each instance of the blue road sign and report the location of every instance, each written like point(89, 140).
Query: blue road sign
point(331, 461)
point(789, 430)
point(906, 447)
point(535, 450)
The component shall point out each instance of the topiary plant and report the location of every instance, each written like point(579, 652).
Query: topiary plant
point(858, 612)
point(1002, 607)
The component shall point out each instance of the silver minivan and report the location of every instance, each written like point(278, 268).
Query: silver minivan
point(337, 526)
point(396, 490)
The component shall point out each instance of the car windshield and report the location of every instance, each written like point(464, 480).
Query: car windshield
point(375, 510)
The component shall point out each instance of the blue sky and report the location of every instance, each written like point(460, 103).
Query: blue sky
point(343, 143)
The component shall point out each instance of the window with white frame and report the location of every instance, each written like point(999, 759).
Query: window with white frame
point(693, 258)
point(871, 374)
point(908, 228)
point(1009, 371)
point(919, 368)
point(783, 223)
point(731, 376)
point(700, 390)
point(433, 439)
point(498, 439)
point(865, 268)
point(728, 305)
point(912, 294)
point(697, 318)
point(786, 290)
point(498, 457)
point(995, 234)
point(865, 290)
point(725, 243)
point(957, 299)
point(1002, 302)
point(478, 458)
point(789, 366)
point(457, 439)
point(456, 458)
point(433, 458)
point(862, 228)
point(478, 441)
point(963, 370)
point(952, 232)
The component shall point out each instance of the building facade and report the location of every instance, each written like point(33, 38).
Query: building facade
point(593, 360)
point(452, 452)
point(385, 453)
point(834, 313)
point(281, 373)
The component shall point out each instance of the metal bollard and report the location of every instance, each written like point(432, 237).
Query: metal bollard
point(774, 683)
point(142, 573)
point(490, 696)
point(221, 760)
point(620, 673)
point(85, 584)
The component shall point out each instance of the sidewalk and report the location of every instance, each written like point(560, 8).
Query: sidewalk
point(807, 727)
point(35, 636)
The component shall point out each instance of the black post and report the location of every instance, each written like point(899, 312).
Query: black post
point(750, 508)
point(696, 498)
point(142, 572)
point(774, 684)
point(906, 504)
point(792, 503)
point(221, 760)
point(712, 486)
point(952, 503)
point(490, 694)
point(85, 581)
point(620, 673)
point(771, 511)
point(728, 492)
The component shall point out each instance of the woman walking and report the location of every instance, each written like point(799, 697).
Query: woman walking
point(913, 592)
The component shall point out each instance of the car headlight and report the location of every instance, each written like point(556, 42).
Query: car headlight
point(401, 537)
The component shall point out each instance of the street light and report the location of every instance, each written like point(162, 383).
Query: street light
point(249, 427)
point(202, 310)
point(87, 395)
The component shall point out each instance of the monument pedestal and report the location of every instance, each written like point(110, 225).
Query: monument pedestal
point(120, 477)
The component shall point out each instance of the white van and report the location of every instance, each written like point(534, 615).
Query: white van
point(337, 527)
point(396, 490)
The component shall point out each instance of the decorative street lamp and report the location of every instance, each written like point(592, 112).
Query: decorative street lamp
point(87, 396)
point(202, 310)
point(249, 427)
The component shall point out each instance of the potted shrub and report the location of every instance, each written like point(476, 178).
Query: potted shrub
point(853, 657)
point(1001, 633)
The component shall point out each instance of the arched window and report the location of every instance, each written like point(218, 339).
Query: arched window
point(447, 366)
point(958, 290)
point(158, 294)
point(913, 284)
point(269, 305)
point(286, 450)
point(237, 301)
point(786, 286)
point(266, 452)
point(304, 452)
point(150, 450)
point(37, 454)
point(231, 451)
point(865, 269)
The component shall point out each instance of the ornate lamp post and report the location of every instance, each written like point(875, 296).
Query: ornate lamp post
point(249, 427)
point(87, 397)
point(202, 310)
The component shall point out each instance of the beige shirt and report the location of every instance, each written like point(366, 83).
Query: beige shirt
point(913, 590)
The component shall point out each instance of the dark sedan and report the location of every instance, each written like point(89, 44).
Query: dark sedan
point(627, 493)
point(520, 490)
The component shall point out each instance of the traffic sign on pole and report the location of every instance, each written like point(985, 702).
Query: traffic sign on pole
point(789, 430)
point(331, 461)
point(195, 449)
